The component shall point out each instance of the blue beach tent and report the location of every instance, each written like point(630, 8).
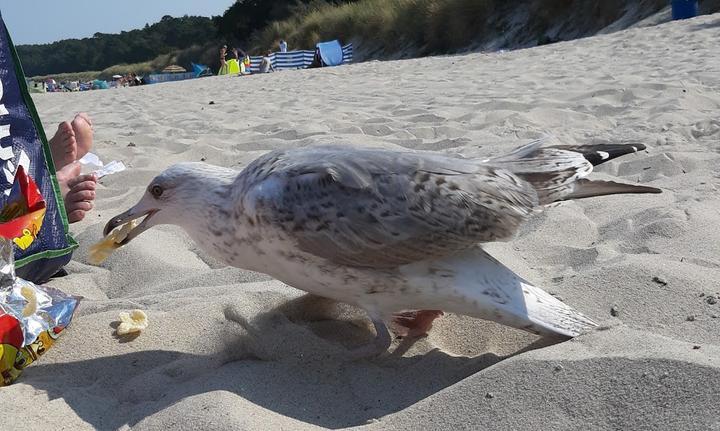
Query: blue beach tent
point(331, 53)
point(201, 70)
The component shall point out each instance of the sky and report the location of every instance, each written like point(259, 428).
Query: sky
point(45, 21)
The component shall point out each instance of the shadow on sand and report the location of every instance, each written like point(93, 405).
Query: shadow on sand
point(295, 369)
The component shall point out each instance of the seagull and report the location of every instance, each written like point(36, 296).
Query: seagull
point(396, 233)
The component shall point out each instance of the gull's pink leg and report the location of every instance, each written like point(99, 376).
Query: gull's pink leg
point(415, 324)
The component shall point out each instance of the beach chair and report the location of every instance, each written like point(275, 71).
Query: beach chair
point(42, 252)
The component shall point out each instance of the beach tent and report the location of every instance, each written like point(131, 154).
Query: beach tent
point(41, 253)
point(99, 84)
point(201, 70)
point(331, 53)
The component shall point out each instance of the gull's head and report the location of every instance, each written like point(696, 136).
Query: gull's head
point(173, 197)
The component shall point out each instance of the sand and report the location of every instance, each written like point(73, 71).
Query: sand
point(230, 349)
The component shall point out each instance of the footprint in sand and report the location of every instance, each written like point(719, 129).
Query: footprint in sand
point(705, 128)
point(404, 112)
point(427, 118)
point(377, 130)
point(645, 227)
point(655, 167)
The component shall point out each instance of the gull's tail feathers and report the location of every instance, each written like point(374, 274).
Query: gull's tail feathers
point(550, 316)
point(478, 285)
point(557, 172)
point(585, 188)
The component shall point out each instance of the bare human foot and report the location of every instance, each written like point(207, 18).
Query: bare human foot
point(63, 145)
point(77, 190)
point(71, 141)
point(82, 126)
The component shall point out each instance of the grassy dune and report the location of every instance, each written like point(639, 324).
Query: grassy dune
point(434, 25)
point(391, 28)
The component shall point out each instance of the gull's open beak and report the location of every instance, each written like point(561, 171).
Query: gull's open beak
point(136, 212)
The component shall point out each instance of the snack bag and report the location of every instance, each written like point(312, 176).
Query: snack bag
point(31, 316)
point(23, 143)
point(22, 216)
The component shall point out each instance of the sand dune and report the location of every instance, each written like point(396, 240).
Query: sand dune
point(229, 349)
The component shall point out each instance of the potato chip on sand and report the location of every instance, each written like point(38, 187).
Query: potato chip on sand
point(132, 322)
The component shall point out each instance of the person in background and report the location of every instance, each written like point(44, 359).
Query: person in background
point(283, 45)
point(223, 63)
point(317, 60)
point(266, 64)
point(132, 79)
point(245, 62)
point(233, 62)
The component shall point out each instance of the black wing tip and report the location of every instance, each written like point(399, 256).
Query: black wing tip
point(601, 153)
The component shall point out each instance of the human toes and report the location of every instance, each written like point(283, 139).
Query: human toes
point(63, 130)
point(81, 194)
point(82, 127)
point(79, 200)
point(63, 145)
point(76, 210)
point(83, 182)
point(66, 174)
point(85, 117)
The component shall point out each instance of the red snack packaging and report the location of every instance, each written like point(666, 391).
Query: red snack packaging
point(31, 316)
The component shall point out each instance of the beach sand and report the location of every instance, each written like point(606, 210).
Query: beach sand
point(231, 349)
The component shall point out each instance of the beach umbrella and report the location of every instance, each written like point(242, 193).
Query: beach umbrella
point(174, 68)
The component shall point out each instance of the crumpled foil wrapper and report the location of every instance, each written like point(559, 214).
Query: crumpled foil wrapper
point(40, 328)
point(54, 308)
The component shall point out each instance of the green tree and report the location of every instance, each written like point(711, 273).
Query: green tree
point(103, 50)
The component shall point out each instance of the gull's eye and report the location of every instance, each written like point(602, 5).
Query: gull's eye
point(156, 191)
